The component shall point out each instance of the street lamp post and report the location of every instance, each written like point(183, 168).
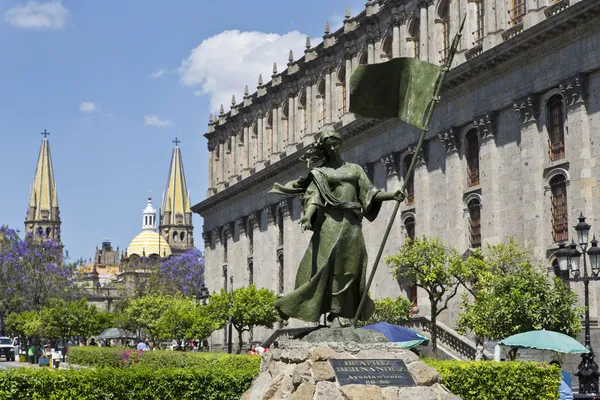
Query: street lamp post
point(569, 260)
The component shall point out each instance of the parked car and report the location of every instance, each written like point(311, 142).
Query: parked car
point(7, 350)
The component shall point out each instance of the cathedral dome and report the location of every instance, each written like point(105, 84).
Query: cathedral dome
point(148, 243)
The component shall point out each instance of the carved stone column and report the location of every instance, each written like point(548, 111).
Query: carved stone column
point(292, 130)
point(454, 183)
point(423, 31)
point(489, 181)
point(390, 163)
point(399, 34)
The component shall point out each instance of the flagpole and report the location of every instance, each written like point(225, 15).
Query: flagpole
point(428, 114)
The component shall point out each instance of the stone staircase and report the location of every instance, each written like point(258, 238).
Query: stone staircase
point(452, 344)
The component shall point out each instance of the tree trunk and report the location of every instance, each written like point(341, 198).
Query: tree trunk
point(240, 331)
point(434, 330)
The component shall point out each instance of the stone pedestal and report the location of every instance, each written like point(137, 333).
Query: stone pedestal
point(300, 370)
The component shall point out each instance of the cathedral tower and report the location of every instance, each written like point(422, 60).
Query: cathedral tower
point(175, 213)
point(43, 216)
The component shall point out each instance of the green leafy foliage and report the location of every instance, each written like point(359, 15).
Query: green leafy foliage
point(430, 265)
point(92, 356)
point(393, 311)
point(489, 380)
point(125, 384)
point(143, 313)
point(184, 320)
point(249, 307)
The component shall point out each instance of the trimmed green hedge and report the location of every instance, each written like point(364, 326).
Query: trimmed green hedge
point(122, 357)
point(124, 384)
point(490, 380)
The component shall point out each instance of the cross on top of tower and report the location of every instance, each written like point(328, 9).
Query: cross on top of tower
point(176, 141)
point(45, 133)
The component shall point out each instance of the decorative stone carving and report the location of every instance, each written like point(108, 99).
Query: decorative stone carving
point(227, 233)
point(328, 66)
point(368, 167)
point(350, 51)
point(449, 139)
point(398, 19)
point(486, 126)
point(206, 238)
point(284, 206)
point(373, 35)
point(241, 225)
point(527, 109)
point(573, 90)
point(421, 157)
point(425, 3)
point(253, 220)
point(390, 162)
point(216, 234)
point(268, 211)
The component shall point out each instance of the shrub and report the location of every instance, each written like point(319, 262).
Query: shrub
point(123, 357)
point(124, 384)
point(490, 380)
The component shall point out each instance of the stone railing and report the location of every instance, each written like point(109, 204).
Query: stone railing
point(448, 338)
point(556, 8)
point(512, 31)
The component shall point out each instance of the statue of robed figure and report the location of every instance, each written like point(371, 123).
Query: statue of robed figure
point(337, 195)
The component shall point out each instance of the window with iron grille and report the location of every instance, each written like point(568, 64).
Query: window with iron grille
point(472, 158)
point(224, 248)
point(341, 83)
point(445, 30)
point(410, 183)
point(517, 11)
point(480, 32)
point(475, 223)
point(250, 240)
point(409, 225)
point(556, 128)
point(280, 227)
point(225, 277)
point(560, 223)
point(280, 286)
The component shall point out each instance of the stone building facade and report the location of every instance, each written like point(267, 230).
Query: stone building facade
point(511, 151)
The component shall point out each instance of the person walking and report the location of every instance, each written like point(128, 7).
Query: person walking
point(31, 354)
point(17, 345)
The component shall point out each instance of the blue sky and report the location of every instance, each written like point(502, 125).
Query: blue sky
point(115, 81)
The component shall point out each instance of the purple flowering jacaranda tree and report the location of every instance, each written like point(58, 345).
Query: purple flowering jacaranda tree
point(182, 274)
point(31, 273)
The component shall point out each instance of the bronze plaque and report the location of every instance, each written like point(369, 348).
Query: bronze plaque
point(372, 372)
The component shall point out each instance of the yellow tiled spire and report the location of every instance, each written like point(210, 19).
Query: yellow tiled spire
point(43, 199)
point(176, 200)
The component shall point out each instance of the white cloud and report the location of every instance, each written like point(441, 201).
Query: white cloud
point(157, 74)
point(36, 15)
point(223, 64)
point(153, 120)
point(88, 107)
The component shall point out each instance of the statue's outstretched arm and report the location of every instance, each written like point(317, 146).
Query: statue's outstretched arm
point(398, 195)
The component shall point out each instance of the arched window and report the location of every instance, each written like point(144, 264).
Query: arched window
point(556, 127)
point(517, 11)
point(409, 225)
point(224, 248)
point(364, 58)
point(560, 223)
point(255, 143)
point(472, 158)
point(40, 231)
point(280, 226)
point(250, 271)
point(480, 15)
point(175, 237)
point(321, 103)
point(341, 90)
point(413, 33)
point(269, 131)
point(250, 240)
point(302, 113)
point(182, 236)
point(386, 49)
point(475, 223)
point(444, 16)
point(410, 183)
point(280, 286)
point(285, 126)
point(48, 231)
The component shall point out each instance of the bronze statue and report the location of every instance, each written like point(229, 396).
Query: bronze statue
point(332, 274)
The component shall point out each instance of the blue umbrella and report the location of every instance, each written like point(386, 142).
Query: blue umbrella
point(406, 338)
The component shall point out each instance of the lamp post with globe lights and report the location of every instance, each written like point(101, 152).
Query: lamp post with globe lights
point(569, 259)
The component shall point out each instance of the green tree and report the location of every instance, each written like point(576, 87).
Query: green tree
point(143, 314)
point(393, 311)
point(249, 307)
point(27, 324)
point(521, 301)
point(184, 320)
point(430, 265)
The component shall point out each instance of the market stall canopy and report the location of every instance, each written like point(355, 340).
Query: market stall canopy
point(116, 333)
point(401, 335)
point(544, 340)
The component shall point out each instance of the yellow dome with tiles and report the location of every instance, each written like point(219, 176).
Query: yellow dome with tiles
point(149, 242)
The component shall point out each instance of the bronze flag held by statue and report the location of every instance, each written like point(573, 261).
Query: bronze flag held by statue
point(403, 88)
